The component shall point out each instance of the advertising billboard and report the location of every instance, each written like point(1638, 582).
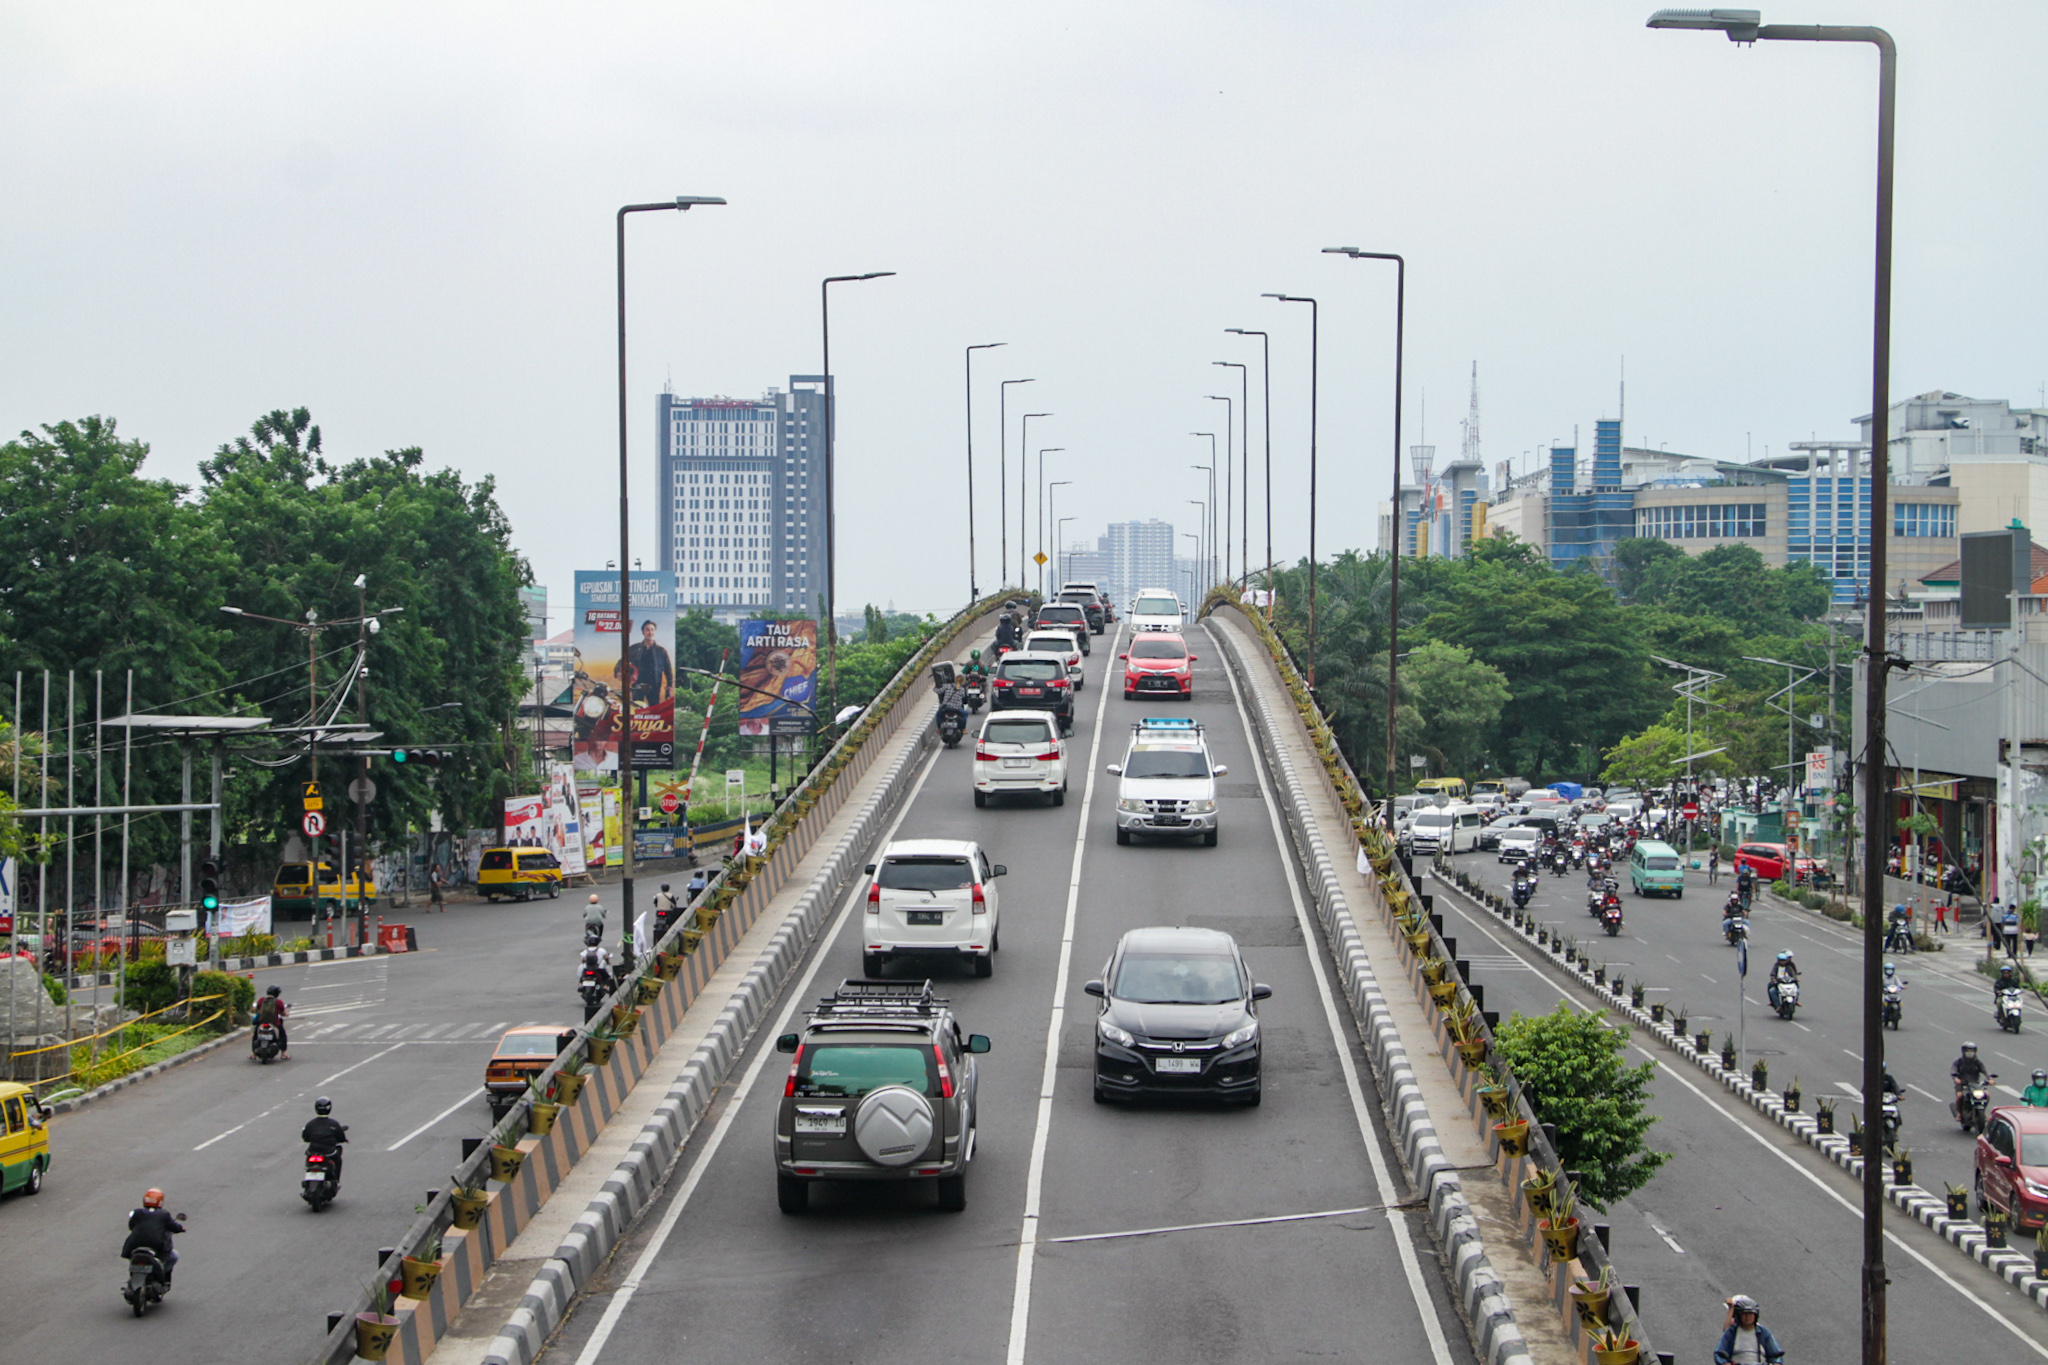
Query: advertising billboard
point(778, 672)
point(602, 675)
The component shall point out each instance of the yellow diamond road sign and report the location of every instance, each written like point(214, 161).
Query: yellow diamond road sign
point(1039, 559)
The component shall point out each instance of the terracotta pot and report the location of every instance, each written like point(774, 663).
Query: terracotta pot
point(374, 1332)
point(469, 1210)
point(601, 1051)
point(1561, 1240)
point(1514, 1137)
point(540, 1119)
point(1591, 1304)
point(419, 1276)
point(569, 1085)
point(505, 1163)
point(1626, 1354)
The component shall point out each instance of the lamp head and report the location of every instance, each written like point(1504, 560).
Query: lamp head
point(1340, 251)
point(686, 202)
point(360, 580)
point(1739, 24)
point(232, 611)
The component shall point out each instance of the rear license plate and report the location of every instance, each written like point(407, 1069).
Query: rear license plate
point(1016, 763)
point(826, 1122)
point(1030, 692)
point(924, 917)
point(1179, 1066)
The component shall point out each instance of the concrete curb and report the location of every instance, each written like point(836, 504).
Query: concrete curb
point(1481, 1295)
point(640, 1176)
point(102, 980)
point(77, 1102)
point(2016, 1268)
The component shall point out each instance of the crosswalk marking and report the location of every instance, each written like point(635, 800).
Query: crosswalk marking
point(370, 1031)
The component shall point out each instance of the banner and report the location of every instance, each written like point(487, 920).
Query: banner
point(525, 820)
point(614, 829)
point(590, 814)
point(778, 677)
point(602, 675)
point(565, 820)
point(7, 890)
point(235, 918)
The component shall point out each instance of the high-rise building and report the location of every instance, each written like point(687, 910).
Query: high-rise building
point(742, 489)
point(1141, 555)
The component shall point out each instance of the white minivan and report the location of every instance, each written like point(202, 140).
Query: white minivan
point(1446, 829)
point(1156, 609)
point(932, 898)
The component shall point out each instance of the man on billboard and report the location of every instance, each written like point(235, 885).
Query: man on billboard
point(654, 675)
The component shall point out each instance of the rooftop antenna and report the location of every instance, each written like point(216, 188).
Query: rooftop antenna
point(1472, 420)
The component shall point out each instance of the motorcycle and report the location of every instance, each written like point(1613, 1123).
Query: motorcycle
point(1890, 1119)
point(322, 1178)
point(951, 726)
point(1522, 892)
point(1784, 997)
point(1894, 1004)
point(264, 1047)
point(2008, 1009)
point(1606, 894)
point(591, 986)
point(977, 694)
point(1610, 917)
point(1972, 1102)
point(149, 1278)
point(1898, 938)
point(1734, 928)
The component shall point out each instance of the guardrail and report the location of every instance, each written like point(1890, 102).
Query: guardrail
point(649, 1009)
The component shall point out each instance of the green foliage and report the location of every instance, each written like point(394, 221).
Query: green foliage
point(59, 993)
point(152, 985)
point(1646, 760)
point(1569, 1064)
point(239, 990)
point(1459, 699)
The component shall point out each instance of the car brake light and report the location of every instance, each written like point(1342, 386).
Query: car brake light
point(1048, 756)
point(945, 1075)
point(789, 1086)
point(980, 904)
point(1059, 682)
point(874, 898)
point(1002, 682)
point(984, 756)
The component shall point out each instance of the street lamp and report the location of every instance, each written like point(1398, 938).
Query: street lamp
point(1023, 499)
point(973, 575)
point(682, 203)
point(1003, 474)
point(1394, 520)
point(1209, 519)
point(1314, 350)
point(1746, 26)
point(1265, 406)
point(1056, 543)
point(1201, 541)
point(831, 505)
point(1229, 441)
point(1049, 450)
point(1062, 483)
point(1244, 417)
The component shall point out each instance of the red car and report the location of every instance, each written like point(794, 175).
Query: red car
point(2012, 1165)
point(1159, 662)
point(1766, 862)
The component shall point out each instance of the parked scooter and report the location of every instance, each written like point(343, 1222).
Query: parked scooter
point(2008, 1010)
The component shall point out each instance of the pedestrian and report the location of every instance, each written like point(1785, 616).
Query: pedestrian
point(2009, 928)
point(436, 889)
point(1941, 909)
point(1713, 865)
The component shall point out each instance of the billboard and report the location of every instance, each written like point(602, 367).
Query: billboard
point(778, 671)
point(602, 675)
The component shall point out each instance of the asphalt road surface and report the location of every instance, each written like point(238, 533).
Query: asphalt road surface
point(398, 1043)
point(1743, 1206)
point(1091, 1232)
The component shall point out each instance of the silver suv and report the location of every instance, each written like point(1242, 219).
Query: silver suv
point(882, 1087)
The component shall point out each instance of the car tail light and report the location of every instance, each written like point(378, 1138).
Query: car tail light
point(789, 1086)
point(1048, 756)
point(1059, 682)
point(945, 1074)
point(984, 756)
point(1002, 682)
point(980, 902)
point(874, 898)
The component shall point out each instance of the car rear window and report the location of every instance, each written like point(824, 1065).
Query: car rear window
point(537, 860)
point(946, 872)
point(1151, 647)
point(1034, 670)
point(528, 1045)
point(1051, 642)
point(1015, 732)
point(855, 1069)
point(1157, 606)
point(1158, 979)
point(496, 860)
point(1661, 864)
point(1063, 614)
point(1166, 763)
point(291, 876)
point(1079, 595)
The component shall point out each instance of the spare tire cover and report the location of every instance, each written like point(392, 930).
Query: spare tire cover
point(894, 1125)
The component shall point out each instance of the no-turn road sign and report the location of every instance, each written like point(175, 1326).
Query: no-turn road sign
point(314, 823)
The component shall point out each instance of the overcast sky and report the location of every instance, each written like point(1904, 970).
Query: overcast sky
point(400, 216)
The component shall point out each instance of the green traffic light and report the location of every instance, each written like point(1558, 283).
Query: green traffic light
point(209, 902)
point(398, 755)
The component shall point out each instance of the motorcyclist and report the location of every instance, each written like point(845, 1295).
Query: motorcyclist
point(593, 915)
point(1744, 1340)
point(149, 1226)
point(2008, 978)
point(271, 1009)
point(953, 700)
point(1782, 970)
point(665, 907)
point(1745, 884)
point(974, 667)
point(596, 959)
point(1968, 1071)
point(324, 1133)
point(1006, 632)
point(1898, 933)
point(2036, 1095)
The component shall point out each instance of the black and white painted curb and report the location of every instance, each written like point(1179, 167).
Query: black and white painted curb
point(1481, 1295)
point(103, 980)
point(2016, 1268)
point(641, 1174)
point(70, 1103)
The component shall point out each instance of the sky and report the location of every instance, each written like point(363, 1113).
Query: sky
point(401, 217)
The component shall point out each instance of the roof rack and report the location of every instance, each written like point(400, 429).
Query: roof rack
point(859, 997)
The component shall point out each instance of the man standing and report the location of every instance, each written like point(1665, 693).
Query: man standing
point(654, 676)
point(1713, 865)
point(437, 888)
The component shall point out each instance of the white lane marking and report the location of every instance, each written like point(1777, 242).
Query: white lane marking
point(1801, 1027)
point(798, 999)
point(2008, 1090)
point(1425, 1308)
point(330, 986)
point(1034, 1183)
point(1669, 1240)
point(436, 1119)
point(247, 1121)
point(1857, 1055)
point(1854, 1092)
point(365, 1062)
point(1715, 979)
point(2001, 1319)
point(1226, 1223)
point(1928, 1093)
point(2014, 1060)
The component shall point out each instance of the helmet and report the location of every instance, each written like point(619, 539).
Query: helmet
point(152, 1199)
point(973, 654)
point(593, 898)
point(1785, 956)
point(1891, 968)
point(1969, 1049)
point(274, 991)
point(2041, 1078)
point(664, 886)
point(323, 1106)
point(1743, 1303)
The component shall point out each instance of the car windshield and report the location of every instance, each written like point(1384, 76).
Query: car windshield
point(1034, 670)
point(528, 1045)
point(1150, 648)
point(853, 1070)
point(1166, 763)
point(1157, 606)
point(938, 873)
point(1149, 979)
point(1014, 732)
point(1661, 864)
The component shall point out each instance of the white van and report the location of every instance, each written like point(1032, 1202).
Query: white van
point(1156, 609)
point(1446, 829)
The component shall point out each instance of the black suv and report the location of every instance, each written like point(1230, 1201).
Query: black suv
point(882, 1088)
point(1070, 616)
point(1089, 602)
point(1034, 682)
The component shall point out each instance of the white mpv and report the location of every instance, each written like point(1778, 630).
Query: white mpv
point(1155, 609)
point(932, 898)
point(1020, 751)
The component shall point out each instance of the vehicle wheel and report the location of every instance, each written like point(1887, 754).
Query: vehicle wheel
point(1209, 839)
point(554, 890)
point(34, 1184)
point(1123, 836)
point(995, 940)
point(136, 1304)
point(871, 964)
point(981, 799)
point(791, 1194)
point(985, 964)
point(1059, 797)
point(952, 1193)
point(1251, 1101)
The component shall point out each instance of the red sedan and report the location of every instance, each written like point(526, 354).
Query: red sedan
point(1159, 663)
point(1766, 862)
point(2012, 1165)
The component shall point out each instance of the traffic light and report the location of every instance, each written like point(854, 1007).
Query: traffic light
point(209, 886)
point(423, 758)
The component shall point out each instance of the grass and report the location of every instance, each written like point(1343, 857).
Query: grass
point(130, 1050)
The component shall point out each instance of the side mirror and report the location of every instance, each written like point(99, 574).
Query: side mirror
point(1261, 991)
point(1114, 769)
point(1093, 988)
point(1193, 658)
point(2004, 1162)
point(1002, 871)
point(1123, 656)
point(977, 1043)
point(1222, 770)
point(871, 869)
point(786, 1043)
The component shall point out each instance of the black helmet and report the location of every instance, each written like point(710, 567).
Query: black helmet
point(323, 1106)
point(275, 991)
point(1743, 1303)
point(664, 886)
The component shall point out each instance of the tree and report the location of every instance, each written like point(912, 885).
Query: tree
point(1647, 760)
point(1569, 1065)
point(1459, 700)
point(1636, 558)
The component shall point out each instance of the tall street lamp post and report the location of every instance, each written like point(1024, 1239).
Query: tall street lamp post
point(1003, 475)
point(1056, 544)
point(831, 503)
point(1244, 418)
point(1193, 601)
point(973, 570)
point(1201, 545)
point(1265, 406)
point(1049, 450)
point(682, 203)
point(1314, 351)
point(1050, 496)
point(1024, 499)
point(1209, 520)
point(1745, 26)
point(1229, 441)
point(1394, 524)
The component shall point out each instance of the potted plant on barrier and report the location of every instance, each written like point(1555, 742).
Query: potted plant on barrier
point(1959, 1203)
point(1680, 1017)
point(570, 1079)
point(1616, 1345)
point(1855, 1134)
point(1600, 974)
point(376, 1328)
point(1657, 1011)
point(1493, 1096)
point(541, 1112)
point(1824, 1115)
point(1760, 1076)
point(1560, 1231)
point(1514, 1136)
point(2041, 1251)
point(1636, 993)
point(601, 1045)
point(1466, 1034)
point(1728, 1058)
point(650, 989)
point(1995, 1224)
point(419, 1272)
point(1590, 1297)
point(470, 1201)
point(1791, 1096)
point(1702, 1042)
point(506, 1158)
point(1540, 1190)
point(1902, 1166)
